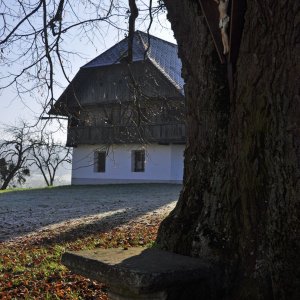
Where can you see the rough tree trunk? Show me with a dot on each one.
(240, 202)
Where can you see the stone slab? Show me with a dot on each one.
(137, 270)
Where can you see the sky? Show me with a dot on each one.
(29, 108)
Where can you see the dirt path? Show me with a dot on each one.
(65, 212)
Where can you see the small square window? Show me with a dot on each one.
(99, 162)
(138, 161)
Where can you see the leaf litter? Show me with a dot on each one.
(30, 266)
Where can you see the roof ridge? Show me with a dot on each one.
(162, 70)
(106, 51)
(162, 54)
(154, 61)
(138, 32)
(156, 37)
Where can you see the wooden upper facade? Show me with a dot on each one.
(111, 101)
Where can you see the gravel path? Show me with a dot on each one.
(63, 210)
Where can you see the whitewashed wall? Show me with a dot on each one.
(164, 163)
(177, 162)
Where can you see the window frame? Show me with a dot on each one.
(138, 156)
(99, 161)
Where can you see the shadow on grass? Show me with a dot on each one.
(80, 231)
(78, 211)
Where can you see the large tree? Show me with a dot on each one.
(239, 206)
(240, 202)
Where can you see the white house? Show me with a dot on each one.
(125, 120)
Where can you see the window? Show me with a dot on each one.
(138, 161)
(100, 158)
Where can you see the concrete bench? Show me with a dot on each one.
(148, 274)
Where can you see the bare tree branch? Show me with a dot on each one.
(48, 156)
(20, 23)
(133, 15)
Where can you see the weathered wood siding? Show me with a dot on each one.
(124, 103)
(160, 121)
(147, 112)
(158, 133)
(119, 83)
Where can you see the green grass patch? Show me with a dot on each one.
(19, 189)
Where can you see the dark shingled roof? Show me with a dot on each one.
(161, 53)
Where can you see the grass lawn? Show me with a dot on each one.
(32, 270)
(30, 255)
(26, 211)
(8, 190)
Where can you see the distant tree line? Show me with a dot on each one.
(23, 148)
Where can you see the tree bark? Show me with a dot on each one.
(239, 206)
